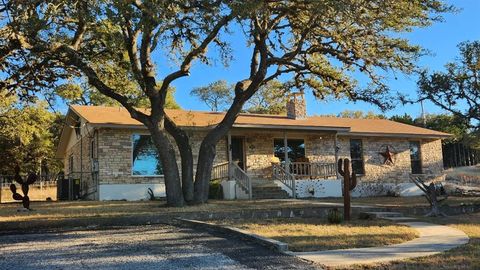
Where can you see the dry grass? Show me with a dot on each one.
(311, 234)
(91, 209)
(465, 257)
(405, 201)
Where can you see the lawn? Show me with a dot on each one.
(84, 213)
(313, 234)
(405, 201)
(465, 257)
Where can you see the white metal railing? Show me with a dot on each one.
(241, 178)
(280, 174)
(220, 171)
(314, 170)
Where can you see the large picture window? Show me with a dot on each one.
(356, 154)
(145, 160)
(295, 149)
(415, 158)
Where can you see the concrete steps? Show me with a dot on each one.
(267, 189)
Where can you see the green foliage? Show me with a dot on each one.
(334, 216)
(215, 190)
(405, 119)
(270, 98)
(360, 115)
(26, 135)
(453, 124)
(217, 95)
(457, 90)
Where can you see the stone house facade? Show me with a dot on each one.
(109, 153)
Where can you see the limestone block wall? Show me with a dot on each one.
(259, 153)
(320, 148)
(400, 171)
(115, 155)
(80, 151)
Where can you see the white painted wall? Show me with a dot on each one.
(318, 188)
(130, 192)
(333, 188)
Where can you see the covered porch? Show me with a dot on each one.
(281, 159)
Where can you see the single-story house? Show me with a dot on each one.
(111, 156)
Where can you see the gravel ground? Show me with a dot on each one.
(142, 247)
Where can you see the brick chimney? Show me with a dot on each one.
(296, 106)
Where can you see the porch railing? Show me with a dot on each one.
(242, 179)
(313, 170)
(220, 171)
(280, 174)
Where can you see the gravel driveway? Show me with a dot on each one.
(142, 247)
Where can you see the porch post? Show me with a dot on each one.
(336, 154)
(285, 152)
(229, 145)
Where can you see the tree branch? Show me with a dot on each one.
(194, 53)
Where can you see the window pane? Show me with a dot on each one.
(414, 151)
(357, 166)
(356, 154)
(295, 149)
(145, 160)
(415, 158)
(356, 149)
(416, 167)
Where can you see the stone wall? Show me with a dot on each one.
(399, 172)
(81, 152)
(321, 148)
(115, 156)
(296, 106)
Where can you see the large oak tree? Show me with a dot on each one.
(318, 45)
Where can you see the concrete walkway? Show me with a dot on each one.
(433, 239)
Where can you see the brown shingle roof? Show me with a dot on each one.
(118, 116)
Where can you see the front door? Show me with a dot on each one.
(238, 151)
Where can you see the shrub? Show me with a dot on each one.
(334, 216)
(216, 190)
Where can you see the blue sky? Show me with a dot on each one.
(440, 39)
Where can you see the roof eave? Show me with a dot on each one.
(397, 135)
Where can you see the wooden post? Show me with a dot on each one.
(336, 155)
(229, 146)
(285, 150)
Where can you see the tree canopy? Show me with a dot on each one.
(217, 95)
(457, 87)
(26, 135)
(317, 45)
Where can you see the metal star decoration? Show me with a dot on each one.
(388, 156)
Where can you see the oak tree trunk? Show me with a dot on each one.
(170, 167)
(207, 152)
(183, 143)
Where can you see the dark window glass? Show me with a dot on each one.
(356, 154)
(415, 158)
(145, 160)
(92, 149)
(70, 164)
(295, 149)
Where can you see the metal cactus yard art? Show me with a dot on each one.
(32, 178)
(349, 183)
